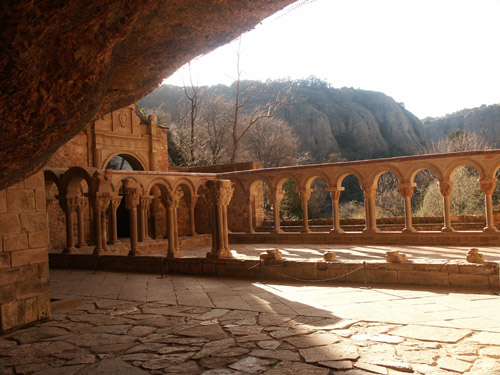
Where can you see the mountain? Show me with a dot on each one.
(358, 124)
(484, 120)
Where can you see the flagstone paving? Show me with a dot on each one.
(134, 324)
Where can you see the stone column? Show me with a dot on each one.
(68, 205)
(81, 205)
(99, 204)
(192, 204)
(370, 213)
(250, 204)
(48, 203)
(446, 186)
(406, 190)
(171, 201)
(115, 203)
(104, 228)
(145, 205)
(219, 194)
(335, 195)
(488, 187)
(131, 203)
(275, 197)
(305, 195)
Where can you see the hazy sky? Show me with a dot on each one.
(436, 56)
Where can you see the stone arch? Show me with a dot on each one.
(281, 178)
(452, 167)
(51, 178)
(309, 178)
(375, 175)
(320, 202)
(412, 172)
(70, 181)
(339, 179)
(135, 160)
(158, 182)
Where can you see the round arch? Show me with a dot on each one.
(125, 161)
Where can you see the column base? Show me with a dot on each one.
(97, 251)
(305, 230)
(276, 231)
(490, 230)
(133, 253)
(80, 245)
(337, 231)
(69, 250)
(250, 232)
(114, 242)
(376, 230)
(409, 230)
(447, 230)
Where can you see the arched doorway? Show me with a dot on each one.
(124, 162)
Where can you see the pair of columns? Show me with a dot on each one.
(70, 205)
(138, 207)
(218, 195)
(171, 201)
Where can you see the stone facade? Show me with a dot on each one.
(24, 269)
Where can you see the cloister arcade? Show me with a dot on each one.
(101, 206)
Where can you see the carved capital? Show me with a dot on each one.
(219, 193)
(146, 202)
(101, 202)
(445, 187)
(68, 204)
(305, 194)
(488, 185)
(115, 202)
(81, 204)
(172, 199)
(275, 196)
(131, 200)
(406, 189)
(370, 191)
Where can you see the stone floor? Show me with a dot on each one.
(131, 324)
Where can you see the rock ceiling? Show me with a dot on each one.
(65, 63)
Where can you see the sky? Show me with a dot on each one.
(435, 56)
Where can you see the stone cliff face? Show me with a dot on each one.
(64, 63)
(484, 120)
(359, 124)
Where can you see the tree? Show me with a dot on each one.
(459, 140)
(243, 119)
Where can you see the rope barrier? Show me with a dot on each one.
(322, 280)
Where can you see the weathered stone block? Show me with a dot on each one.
(43, 303)
(37, 239)
(32, 288)
(18, 313)
(494, 281)
(40, 200)
(31, 256)
(7, 293)
(34, 181)
(469, 280)
(383, 276)
(14, 242)
(423, 278)
(13, 275)
(33, 221)
(4, 261)
(43, 270)
(22, 200)
(9, 223)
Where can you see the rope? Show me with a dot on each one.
(316, 281)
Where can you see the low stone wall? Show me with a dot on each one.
(446, 274)
(468, 238)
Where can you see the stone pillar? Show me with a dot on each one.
(145, 204)
(115, 203)
(446, 186)
(305, 195)
(192, 204)
(275, 197)
(335, 195)
(250, 204)
(370, 213)
(68, 205)
(219, 194)
(81, 205)
(406, 190)
(171, 201)
(104, 228)
(99, 204)
(488, 187)
(131, 203)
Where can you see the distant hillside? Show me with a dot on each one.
(358, 124)
(484, 120)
